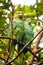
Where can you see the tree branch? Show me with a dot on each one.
(36, 49)
(2, 59)
(11, 29)
(24, 48)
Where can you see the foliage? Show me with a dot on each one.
(25, 25)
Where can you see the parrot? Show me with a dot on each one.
(21, 31)
(18, 29)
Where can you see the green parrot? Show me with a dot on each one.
(21, 31)
(18, 29)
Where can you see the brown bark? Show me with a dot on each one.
(24, 48)
(36, 48)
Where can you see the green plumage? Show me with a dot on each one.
(21, 31)
(28, 33)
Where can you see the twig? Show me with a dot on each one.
(2, 59)
(11, 29)
(24, 48)
(36, 49)
(19, 42)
